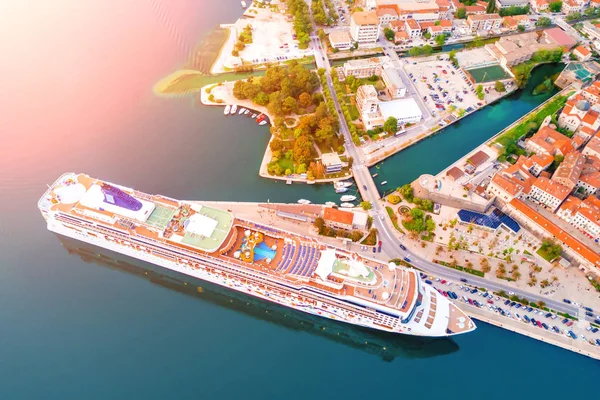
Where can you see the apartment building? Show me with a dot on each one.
(364, 27)
(365, 67)
(550, 142)
(583, 215)
(548, 193)
(569, 171)
(484, 22)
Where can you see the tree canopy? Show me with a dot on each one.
(499, 86)
(555, 6)
(391, 125)
(543, 21)
(281, 90)
(389, 34)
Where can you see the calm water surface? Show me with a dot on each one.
(77, 80)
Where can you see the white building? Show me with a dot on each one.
(393, 83)
(340, 40)
(511, 3)
(404, 110)
(365, 67)
(331, 162)
(548, 193)
(364, 27)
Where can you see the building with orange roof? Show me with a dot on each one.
(591, 30)
(484, 22)
(548, 193)
(592, 164)
(535, 164)
(569, 171)
(592, 93)
(524, 20)
(593, 147)
(401, 37)
(578, 113)
(435, 30)
(510, 23)
(582, 53)
(571, 6)
(386, 15)
(589, 183)
(420, 10)
(413, 28)
(511, 182)
(583, 215)
(475, 10)
(343, 219)
(540, 6)
(588, 257)
(364, 27)
(549, 141)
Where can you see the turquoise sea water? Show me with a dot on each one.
(77, 79)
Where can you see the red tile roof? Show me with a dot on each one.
(337, 215)
(574, 244)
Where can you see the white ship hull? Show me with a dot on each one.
(217, 279)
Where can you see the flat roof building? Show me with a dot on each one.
(364, 27)
(340, 40)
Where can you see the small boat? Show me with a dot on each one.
(261, 117)
(262, 123)
(244, 5)
(303, 201)
(374, 175)
(227, 108)
(342, 184)
(241, 111)
(253, 116)
(341, 190)
(246, 112)
(288, 182)
(347, 205)
(384, 182)
(348, 197)
(330, 204)
(233, 109)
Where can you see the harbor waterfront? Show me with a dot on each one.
(73, 329)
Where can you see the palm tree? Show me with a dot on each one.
(545, 283)
(439, 249)
(469, 265)
(516, 275)
(554, 278)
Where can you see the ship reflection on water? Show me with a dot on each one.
(386, 345)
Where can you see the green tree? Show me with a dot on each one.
(321, 33)
(521, 28)
(389, 34)
(407, 192)
(491, 7)
(437, 23)
(391, 125)
(301, 168)
(555, 6)
(393, 199)
(543, 21)
(479, 91)
(461, 13)
(366, 205)
(262, 99)
(440, 40)
(574, 16)
(590, 11)
(304, 100)
(551, 248)
(499, 86)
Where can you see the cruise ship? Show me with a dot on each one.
(273, 265)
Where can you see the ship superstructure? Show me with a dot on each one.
(271, 264)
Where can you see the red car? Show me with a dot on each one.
(490, 302)
(443, 281)
(539, 323)
(445, 294)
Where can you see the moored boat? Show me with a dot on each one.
(227, 108)
(233, 109)
(262, 123)
(261, 118)
(246, 112)
(347, 197)
(383, 183)
(330, 204)
(341, 190)
(375, 175)
(347, 205)
(342, 184)
(243, 3)
(303, 201)
(253, 116)
(242, 110)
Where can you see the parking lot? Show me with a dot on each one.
(548, 321)
(441, 85)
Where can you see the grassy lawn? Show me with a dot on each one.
(394, 218)
(545, 255)
(371, 239)
(481, 43)
(285, 163)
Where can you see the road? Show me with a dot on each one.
(387, 234)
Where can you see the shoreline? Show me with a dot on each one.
(263, 173)
(403, 146)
